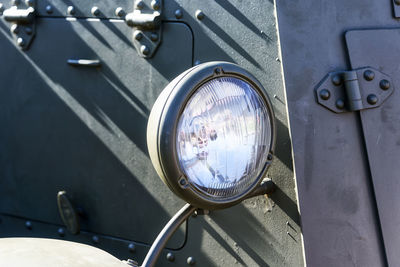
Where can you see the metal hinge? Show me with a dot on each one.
(22, 18)
(345, 91)
(146, 20)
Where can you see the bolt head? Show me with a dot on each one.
(138, 35)
(324, 94)
(369, 75)
(384, 84)
(190, 261)
(155, 4)
(145, 50)
(95, 11)
(170, 256)
(15, 28)
(61, 232)
(71, 10)
(199, 14)
(154, 37)
(337, 80)
(372, 99)
(120, 12)
(21, 42)
(49, 9)
(28, 225)
(340, 104)
(139, 4)
(95, 239)
(178, 14)
(131, 248)
(30, 2)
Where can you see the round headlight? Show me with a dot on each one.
(211, 134)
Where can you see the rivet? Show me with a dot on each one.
(71, 10)
(372, 99)
(95, 239)
(120, 12)
(28, 30)
(190, 261)
(15, 2)
(155, 4)
(29, 2)
(199, 14)
(95, 11)
(28, 225)
(139, 4)
(269, 157)
(384, 84)
(197, 62)
(154, 37)
(61, 232)
(49, 9)
(138, 35)
(131, 248)
(15, 28)
(170, 256)
(369, 75)
(145, 50)
(324, 94)
(397, 2)
(20, 41)
(178, 14)
(336, 80)
(340, 104)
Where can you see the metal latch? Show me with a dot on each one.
(146, 20)
(21, 15)
(345, 91)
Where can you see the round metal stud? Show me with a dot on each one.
(324, 94)
(30, 2)
(131, 248)
(95, 11)
(138, 35)
(155, 4)
(336, 80)
(49, 9)
(372, 99)
(369, 75)
(154, 37)
(199, 14)
(178, 14)
(95, 239)
(145, 50)
(139, 4)
(28, 30)
(339, 104)
(21, 42)
(28, 225)
(15, 28)
(71, 10)
(120, 12)
(61, 232)
(397, 2)
(170, 256)
(190, 261)
(384, 84)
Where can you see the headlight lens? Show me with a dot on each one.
(223, 137)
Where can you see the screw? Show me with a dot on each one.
(199, 14)
(190, 261)
(139, 4)
(340, 104)
(145, 50)
(155, 4)
(154, 37)
(397, 2)
(120, 12)
(95, 239)
(337, 80)
(29, 2)
(28, 30)
(15, 28)
(20, 42)
(71, 10)
(28, 225)
(131, 248)
(138, 35)
(49, 9)
(170, 256)
(324, 94)
(95, 11)
(384, 84)
(61, 232)
(178, 14)
(372, 99)
(369, 75)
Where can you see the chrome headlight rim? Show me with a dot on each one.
(163, 123)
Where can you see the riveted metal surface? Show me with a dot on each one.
(339, 219)
(381, 130)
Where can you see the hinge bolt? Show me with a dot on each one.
(369, 75)
(199, 14)
(324, 94)
(131, 248)
(15, 28)
(20, 41)
(372, 99)
(139, 4)
(170, 256)
(154, 37)
(397, 2)
(119, 12)
(145, 50)
(337, 80)
(339, 104)
(138, 35)
(95, 11)
(384, 84)
(71, 10)
(155, 4)
(49, 9)
(178, 14)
